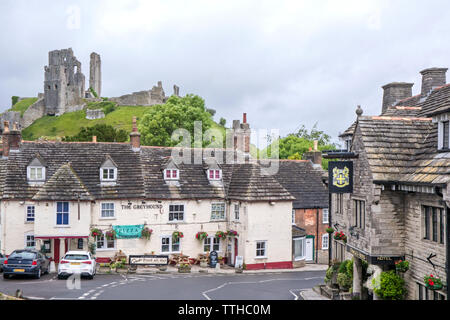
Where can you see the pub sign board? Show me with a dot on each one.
(340, 176)
(148, 260)
(376, 260)
(213, 259)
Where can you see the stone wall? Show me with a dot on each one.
(418, 249)
(34, 112)
(95, 114)
(145, 98)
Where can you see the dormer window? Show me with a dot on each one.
(109, 174)
(36, 173)
(108, 171)
(36, 169)
(171, 174)
(214, 174)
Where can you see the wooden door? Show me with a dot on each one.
(56, 250)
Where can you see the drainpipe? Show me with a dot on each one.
(329, 226)
(317, 233)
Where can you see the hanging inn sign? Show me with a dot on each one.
(340, 175)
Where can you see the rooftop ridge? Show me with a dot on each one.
(400, 107)
(398, 118)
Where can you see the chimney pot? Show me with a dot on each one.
(6, 126)
(315, 145)
(135, 137)
(244, 120)
(94, 139)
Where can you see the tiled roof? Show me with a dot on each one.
(403, 149)
(298, 232)
(402, 111)
(438, 98)
(349, 131)
(304, 182)
(139, 175)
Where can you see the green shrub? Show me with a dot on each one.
(344, 281)
(14, 100)
(93, 92)
(343, 268)
(392, 286)
(350, 268)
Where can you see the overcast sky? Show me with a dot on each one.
(285, 63)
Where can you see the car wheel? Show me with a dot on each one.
(38, 275)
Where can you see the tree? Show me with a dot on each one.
(222, 122)
(294, 145)
(158, 124)
(103, 132)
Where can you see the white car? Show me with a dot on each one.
(77, 262)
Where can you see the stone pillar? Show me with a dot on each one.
(357, 277)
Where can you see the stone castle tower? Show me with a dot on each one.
(64, 82)
(95, 73)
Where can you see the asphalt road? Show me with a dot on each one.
(264, 286)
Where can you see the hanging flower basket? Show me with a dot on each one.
(221, 234)
(96, 232)
(340, 236)
(146, 233)
(232, 233)
(177, 235)
(432, 282)
(329, 230)
(201, 235)
(110, 235)
(401, 266)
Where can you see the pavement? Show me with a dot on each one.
(310, 294)
(228, 270)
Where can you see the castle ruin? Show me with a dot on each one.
(95, 74)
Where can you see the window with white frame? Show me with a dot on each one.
(171, 174)
(443, 135)
(108, 174)
(214, 174)
(325, 216)
(105, 244)
(62, 213)
(107, 210)
(168, 245)
(218, 211)
(36, 173)
(325, 239)
(29, 241)
(30, 214)
(211, 244)
(261, 249)
(236, 212)
(299, 248)
(176, 212)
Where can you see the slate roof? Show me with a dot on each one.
(304, 182)
(139, 175)
(298, 232)
(403, 150)
(403, 111)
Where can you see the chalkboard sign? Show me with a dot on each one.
(213, 259)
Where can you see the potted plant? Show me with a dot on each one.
(184, 268)
(401, 266)
(96, 232)
(110, 234)
(146, 233)
(177, 235)
(340, 236)
(389, 286)
(221, 234)
(201, 235)
(433, 282)
(221, 260)
(232, 233)
(113, 266)
(344, 281)
(329, 230)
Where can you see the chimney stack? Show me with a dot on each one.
(394, 92)
(94, 139)
(11, 139)
(135, 137)
(315, 156)
(432, 78)
(241, 134)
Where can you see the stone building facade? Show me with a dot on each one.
(399, 206)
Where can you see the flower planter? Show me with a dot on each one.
(184, 270)
(162, 268)
(434, 287)
(433, 282)
(203, 264)
(239, 270)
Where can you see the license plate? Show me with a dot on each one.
(75, 263)
(19, 270)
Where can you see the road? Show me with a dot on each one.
(194, 286)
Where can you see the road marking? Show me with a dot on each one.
(296, 296)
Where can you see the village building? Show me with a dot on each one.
(399, 206)
(54, 194)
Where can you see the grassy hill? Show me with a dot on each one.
(23, 105)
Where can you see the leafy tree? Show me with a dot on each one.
(222, 122)
(294, 145)
(211, 111)
(158, 124)
(14, 100)
(103, 132)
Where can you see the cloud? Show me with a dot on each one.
(285, 63)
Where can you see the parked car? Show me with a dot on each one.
(77, 262)
(2, 259)
(27, 262)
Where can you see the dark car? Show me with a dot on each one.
(27, 262)
(2, 258)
